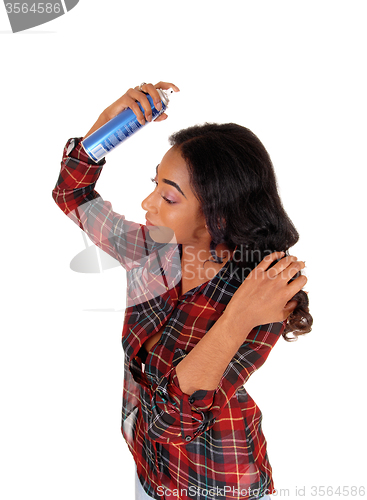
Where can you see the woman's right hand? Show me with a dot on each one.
(265, 295)
(130, 100)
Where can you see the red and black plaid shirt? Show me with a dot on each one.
(208, 444)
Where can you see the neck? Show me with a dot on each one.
(199, 257)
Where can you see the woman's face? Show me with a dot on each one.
(172, 206)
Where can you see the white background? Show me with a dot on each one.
(291, 71)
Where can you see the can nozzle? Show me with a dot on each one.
(164, 97)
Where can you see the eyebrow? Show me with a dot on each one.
(171, 183)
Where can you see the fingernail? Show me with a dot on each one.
(158, 105)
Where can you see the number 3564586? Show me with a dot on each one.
(35, 8)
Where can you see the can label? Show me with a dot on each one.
(114, 132)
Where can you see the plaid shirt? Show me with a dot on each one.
(208, 444)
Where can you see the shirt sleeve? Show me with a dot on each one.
(180, 418)
(75, 194)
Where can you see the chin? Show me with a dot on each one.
(162, 234)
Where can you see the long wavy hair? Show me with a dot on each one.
(233, 178)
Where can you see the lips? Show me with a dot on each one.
(148, 223)
(160, 234)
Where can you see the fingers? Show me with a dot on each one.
(161, 117)
(134, 96)
(283, 275)
(286, 280)
(295, 286)
(292, 289)
(289, 308)
(138, 95)
(268, 292)
(285, 268)
(282, 264)
(268, 260)
(166, 86)
(152, 91)
(293, 267)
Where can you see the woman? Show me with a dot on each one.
(210, 290)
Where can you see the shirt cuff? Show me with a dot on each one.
(74, 149)
(194, 411)
(200, 400)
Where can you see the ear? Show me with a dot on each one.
(221, 223)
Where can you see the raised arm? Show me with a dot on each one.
(75, 193)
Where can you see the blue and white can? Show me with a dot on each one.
(122, 126)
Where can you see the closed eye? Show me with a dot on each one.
(165, 199)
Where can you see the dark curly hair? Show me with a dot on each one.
(233, 178)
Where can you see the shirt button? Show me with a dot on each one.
(187, 438)
(191, 400)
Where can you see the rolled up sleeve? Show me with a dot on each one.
(176, 416)
(179, 418)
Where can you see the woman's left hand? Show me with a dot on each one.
(265, 295)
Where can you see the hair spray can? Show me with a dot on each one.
(122, 126)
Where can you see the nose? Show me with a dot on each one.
(148, 204)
